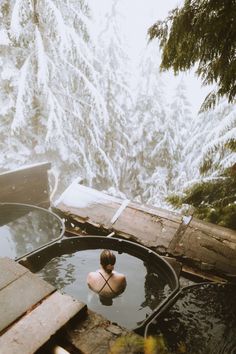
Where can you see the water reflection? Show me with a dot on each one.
(25, 228)
(202, 321)
(156, 287)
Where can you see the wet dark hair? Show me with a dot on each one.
(106, 301)
(107, 257)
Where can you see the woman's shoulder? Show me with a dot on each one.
(93, 274)
(119, 275)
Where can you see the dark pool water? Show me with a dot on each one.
(202, 321)
(145, 287)
(25, 228)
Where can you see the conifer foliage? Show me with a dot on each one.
(209, 162)
(213, 200)
(161, 131)
(113, 64)
(201, 32)
(57, 109)
(148, 164)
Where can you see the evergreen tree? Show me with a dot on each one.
(213, 200)
(181, 124)
(150, 155)
(219, 151)
(210, 162)
(9, 144)
(113, 66)
(58, 110)
(201, 32)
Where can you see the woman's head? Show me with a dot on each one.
(107, 260)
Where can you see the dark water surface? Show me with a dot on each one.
(145, 287)
(202, 321)
(25, 228)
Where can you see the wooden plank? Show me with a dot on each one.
(88, 205)
(21, 295)
(35, 328)
(10, 271)
(40, 165)
(164, 214)
(209, 247)
(195, 273)
(98, 215)
(144, 225)
(150, 230)
(26, 185)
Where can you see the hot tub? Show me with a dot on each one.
(151, 281)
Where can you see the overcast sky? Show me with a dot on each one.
(137, 17)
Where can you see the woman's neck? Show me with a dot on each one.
(106, 271)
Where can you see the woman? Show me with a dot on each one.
(106, 282)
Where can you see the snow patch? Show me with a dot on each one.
(7, 72)
(4, 40)
(79, 196)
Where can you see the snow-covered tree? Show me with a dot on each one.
(58, 110)
(181, 123)
(210, 160)
(149, 165)
(219, 150)
(211, 144)
(113, 64)
(9, 144)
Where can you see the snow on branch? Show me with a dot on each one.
(17, 18)
(229, 160)
(95, 95)
(84, 19)
(4, 40)
(56, 114)
(59, 23)
(110, 167)
(42, 74)
(79, 45)
(19, 117)
(16, 26)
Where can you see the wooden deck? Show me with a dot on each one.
(31, 311)
(27, 185)
(204, 249)
(36, 318)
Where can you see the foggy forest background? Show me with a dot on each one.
(67, 96)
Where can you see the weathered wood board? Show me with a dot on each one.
(211, 247)
(208, 247)
(150, 226)
(35, 328)
(27, 185)
(9, 271)
(21, 294)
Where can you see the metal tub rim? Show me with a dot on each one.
(36, 207)
(72, 244)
